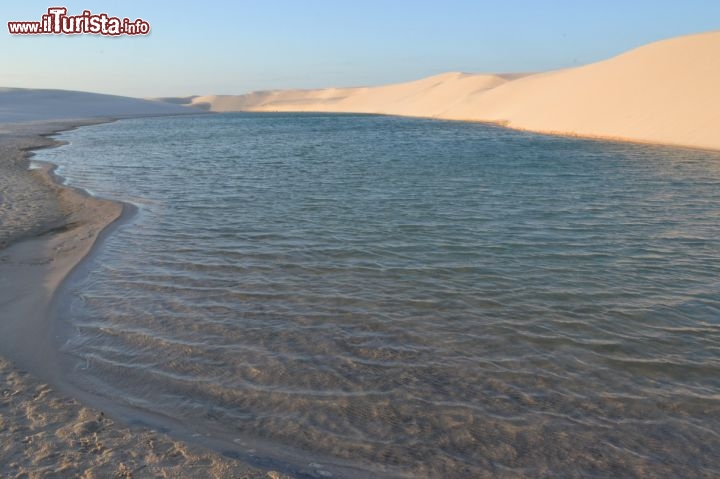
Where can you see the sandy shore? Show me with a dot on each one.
(45, 231)
(43, 434)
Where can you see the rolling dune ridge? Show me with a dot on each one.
(664, 92)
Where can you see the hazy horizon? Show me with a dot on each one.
(218, 48)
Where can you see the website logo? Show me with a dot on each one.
(57, 22)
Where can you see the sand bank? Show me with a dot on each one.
(664, 92)
(45, 230)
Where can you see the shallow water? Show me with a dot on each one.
(410, 297)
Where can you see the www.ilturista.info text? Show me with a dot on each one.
(57, 22)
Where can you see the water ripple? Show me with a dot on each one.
(420, 298)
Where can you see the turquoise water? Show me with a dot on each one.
(405, 297)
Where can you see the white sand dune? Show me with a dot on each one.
(666, 92)
(418, 98)
(21, 104)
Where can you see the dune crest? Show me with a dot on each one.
(665, 92)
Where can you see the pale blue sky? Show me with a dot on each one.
(233, 47)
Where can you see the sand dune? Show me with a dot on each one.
(424, 97)
(665, 92)
(20, 104)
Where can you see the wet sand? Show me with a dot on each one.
(44, 434)
(45, 230)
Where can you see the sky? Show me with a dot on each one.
(233, 47)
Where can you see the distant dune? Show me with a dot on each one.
(21, 104)
(424, 97)
(666, 92)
